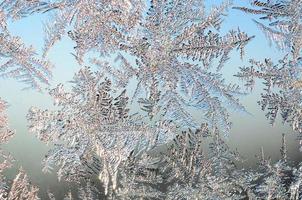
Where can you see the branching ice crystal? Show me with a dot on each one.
(179, 52)
(180, 170)
(92, 130)
(88, 192)
(196, 172)
(282, 80)
(175, 47)
(285, 25)
(95, 136)
(5, 135)
(94, 24)
(282, 88)
(21, 64)
(19, 61)
(275, 181)
(20, 188)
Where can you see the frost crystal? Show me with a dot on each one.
(175, 47)
(92, 130)
(94, 24)
(285, 27)
(282, 81)
(5, 135)
(20, 187)
(274, 181)
(282, 88)
(19, 61)
(174, 52)
(21, 64)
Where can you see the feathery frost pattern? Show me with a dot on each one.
(282, 92)
(282, 80)
(174, 52)
(20, 188)
(175, 47)
(92, 129)
(93, 24)
(285, 25)
(17, 60)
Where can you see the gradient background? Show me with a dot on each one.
(248, 134)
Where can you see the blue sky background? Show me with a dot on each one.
(249, 132)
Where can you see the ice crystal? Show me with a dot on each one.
(5, 135)
(277, 180)
(187, 171)
(20, 188)
(201, 173)
(180, 170)
(21, 63)
(87, 192)
(94, 24)
(95, 136)
(282, 93)
(18, 61)
(92, 130)
(178, 52)
(175, 47)
(285, 25)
